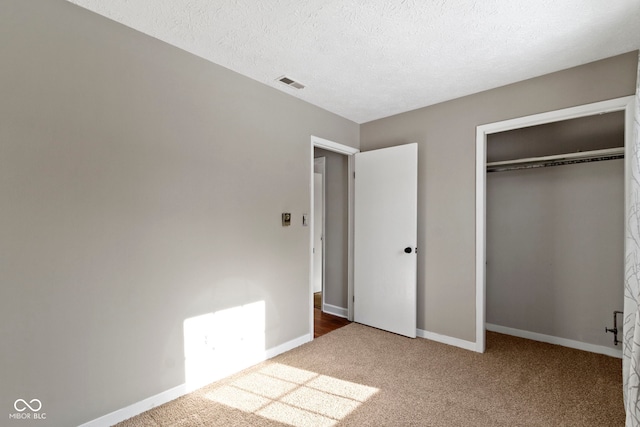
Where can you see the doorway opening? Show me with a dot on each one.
(621, 104)
(319, 262)
(317, 270)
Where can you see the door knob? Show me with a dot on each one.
(407, 250)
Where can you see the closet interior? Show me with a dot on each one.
(555, 228)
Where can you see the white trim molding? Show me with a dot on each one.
(444, 339)
(335, 310)
(138, 407)
(176, 392)
(333, 146)
(289, 345)
(482, 131)
(550, 339)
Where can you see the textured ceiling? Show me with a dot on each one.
(368, 59)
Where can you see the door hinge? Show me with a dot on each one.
(354, 175)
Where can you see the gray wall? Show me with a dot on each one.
(140, 186)
(336, 223)
(555, 258)
(446, 176)
(567, 136)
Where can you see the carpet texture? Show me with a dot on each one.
(361, 376)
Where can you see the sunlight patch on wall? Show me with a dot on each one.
(293, 396)
(219, 344)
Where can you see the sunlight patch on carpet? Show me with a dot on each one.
(320, 402)
(295, 417)
(293, 396)
(264, 385)
(238, 399)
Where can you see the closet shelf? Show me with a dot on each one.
(557, 160)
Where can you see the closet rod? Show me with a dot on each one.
(557, 160)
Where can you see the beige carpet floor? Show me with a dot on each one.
(360, 376)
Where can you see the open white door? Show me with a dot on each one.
(385, 237)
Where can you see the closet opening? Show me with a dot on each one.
(555, 231)
(554, 158)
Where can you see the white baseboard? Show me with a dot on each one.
(289, 345)
(138, 407)
(175, 392)
(593, 348)
(335, 310)
(444, 339)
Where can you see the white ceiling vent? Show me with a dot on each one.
(290, 82)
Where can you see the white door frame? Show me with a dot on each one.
(625, 104)
(325, 144)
